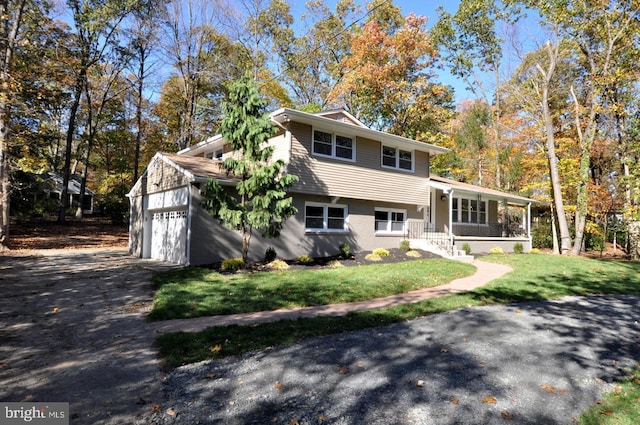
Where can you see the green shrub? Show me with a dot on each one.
(345, 250)
(373, 257)
(496, 250)
(304, 259)
(278, 265)
(594, 242)
(518, 248)
(382, 252)
(541, 237)
(405, 245)
(232, 264)
(466, 248)
(270, 254)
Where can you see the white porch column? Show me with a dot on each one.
(529, 221)
(451, 217)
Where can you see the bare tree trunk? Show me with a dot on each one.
(565, 236)
(496, 132)
(70, 130)
(136, 160)
(11, 16)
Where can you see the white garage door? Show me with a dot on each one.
(169, 236)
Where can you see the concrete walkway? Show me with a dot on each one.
(485, 273)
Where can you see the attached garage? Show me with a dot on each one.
(162, 206)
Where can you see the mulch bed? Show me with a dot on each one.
(396, 255)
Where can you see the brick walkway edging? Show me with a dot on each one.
(485, 273)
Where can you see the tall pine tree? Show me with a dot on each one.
(260, 200)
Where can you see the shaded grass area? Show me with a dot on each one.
(194, 292)
(535, 277)
(619, 407)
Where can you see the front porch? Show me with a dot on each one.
(462, 214)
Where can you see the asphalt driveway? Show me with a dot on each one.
(534, 363)
(73, 329)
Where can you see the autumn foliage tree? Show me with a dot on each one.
(386, 80)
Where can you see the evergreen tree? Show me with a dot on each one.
(260, 200)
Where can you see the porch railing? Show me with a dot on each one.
(418, 230)
(490, 230)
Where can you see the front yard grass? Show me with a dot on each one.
(194, 292)
(619, 407)
(535, 277)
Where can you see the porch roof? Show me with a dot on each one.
(447, 185)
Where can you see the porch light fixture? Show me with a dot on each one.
(443, 197)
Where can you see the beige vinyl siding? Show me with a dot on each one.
(280, 145)
(363, 179)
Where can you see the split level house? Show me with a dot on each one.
(359, 186)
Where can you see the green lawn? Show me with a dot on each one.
(193, 292)
(535, 277)
(620, 407)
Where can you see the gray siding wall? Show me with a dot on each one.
(211, 242)
(136, 220)
(363, 179)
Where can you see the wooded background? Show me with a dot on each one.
(96, 87)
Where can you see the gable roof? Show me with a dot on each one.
(284, 115)
(448, 185)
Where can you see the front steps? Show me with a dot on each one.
(442, 249)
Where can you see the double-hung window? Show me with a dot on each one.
(390, 220)
(333, 145)
(397, 158)
(325, 217)
(465, 210)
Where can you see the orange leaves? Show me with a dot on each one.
(489, 400)
(506, 415)
(553, 390)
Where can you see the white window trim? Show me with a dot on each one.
(325, 218)
(391, 232)
(397, 157)
(333, 145)
(459, 211)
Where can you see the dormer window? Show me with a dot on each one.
(397, 158)
(333, 145)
